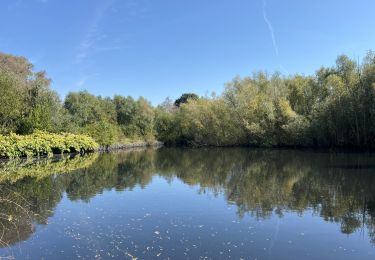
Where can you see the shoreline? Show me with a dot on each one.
(157, 144)
(101, 149)
(115, 147)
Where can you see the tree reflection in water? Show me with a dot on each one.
(337, 187)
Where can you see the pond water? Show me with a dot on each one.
(190, 204)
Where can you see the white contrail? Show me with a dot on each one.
(270, 28)
(274, 43)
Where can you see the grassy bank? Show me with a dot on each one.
(44, 144)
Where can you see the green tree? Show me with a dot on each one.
(185, 98)
(11, 104)
(35, 105)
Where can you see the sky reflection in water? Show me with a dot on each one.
(193, 203)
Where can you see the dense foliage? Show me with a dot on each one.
(333, 108)
(185, 98)
(28, 104)
(42, 143)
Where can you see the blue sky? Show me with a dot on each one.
(160, 48)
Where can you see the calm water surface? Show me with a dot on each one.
(190, 204)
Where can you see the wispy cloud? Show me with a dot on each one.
(81, 82)
(270, 28)
(92, 36)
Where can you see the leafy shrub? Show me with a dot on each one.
(43, 143)
(104, 133)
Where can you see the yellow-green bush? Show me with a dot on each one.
(43, 143)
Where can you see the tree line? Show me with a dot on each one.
(28, 104)
(333, 108)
